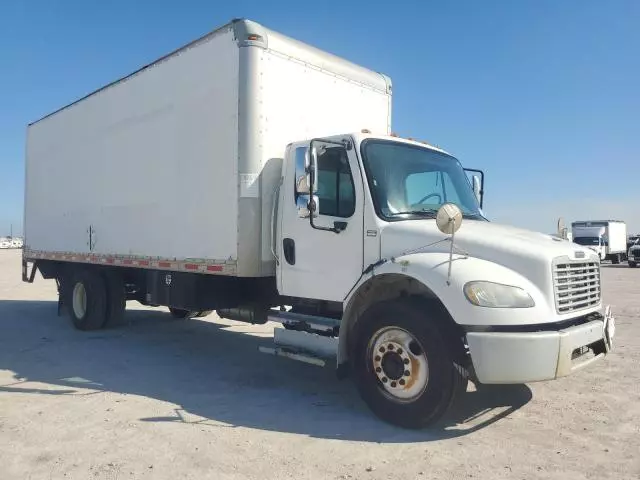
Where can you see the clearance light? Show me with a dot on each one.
(365, 130)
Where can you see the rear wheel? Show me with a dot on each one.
(86, 299)
(404, 364)
(615, 259)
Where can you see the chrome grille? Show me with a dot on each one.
(576, 285)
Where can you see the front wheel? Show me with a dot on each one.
(404, 363)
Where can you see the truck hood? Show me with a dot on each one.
(526, 252)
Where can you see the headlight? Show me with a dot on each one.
(496, 295)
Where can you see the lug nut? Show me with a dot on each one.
(378, 370)
(393, 384)
(399, 351)
(377, 358)
(406, 361)
(407, 373)
(401, 381)
(384, 379)
(381, 350)
(390, 346)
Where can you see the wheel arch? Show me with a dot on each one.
(386, 287)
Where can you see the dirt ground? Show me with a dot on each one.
(173, 399)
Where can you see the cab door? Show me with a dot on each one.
(322, 259)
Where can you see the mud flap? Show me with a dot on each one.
(25, 271)
(60, 297)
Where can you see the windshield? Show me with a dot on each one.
(587, 240)
(408, 181)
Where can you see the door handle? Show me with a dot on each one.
(289, 249)
(339, 226)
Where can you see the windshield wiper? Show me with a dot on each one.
(427, 212)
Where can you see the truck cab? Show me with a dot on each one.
(591, 237)
(633, 250)
(357, 231)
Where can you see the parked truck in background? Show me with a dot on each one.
(608, 238)
(633, 250)
(296, 204)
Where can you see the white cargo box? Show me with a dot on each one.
(174, 166)
(617, 237)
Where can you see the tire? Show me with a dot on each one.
(116, 298)
(86, 299)
(633, 264)
(615, 259)
(428, 344)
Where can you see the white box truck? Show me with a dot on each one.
(608, 238)
(257, 176)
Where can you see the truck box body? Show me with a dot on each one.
(616, 237)
(175, 165)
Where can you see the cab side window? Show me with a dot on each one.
(336, 191)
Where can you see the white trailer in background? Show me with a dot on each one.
(608, 238)
(255, 175)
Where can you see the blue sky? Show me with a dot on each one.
(543, 95)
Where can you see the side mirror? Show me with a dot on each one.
(311, 169)
(477, 183)
(306, 168)
(306, 208)
(477, 189)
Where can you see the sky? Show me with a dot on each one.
(544, 96)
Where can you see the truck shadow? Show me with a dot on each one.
(213, 374)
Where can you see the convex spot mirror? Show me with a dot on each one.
(449, 218)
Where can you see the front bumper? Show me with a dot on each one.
(533, 356)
